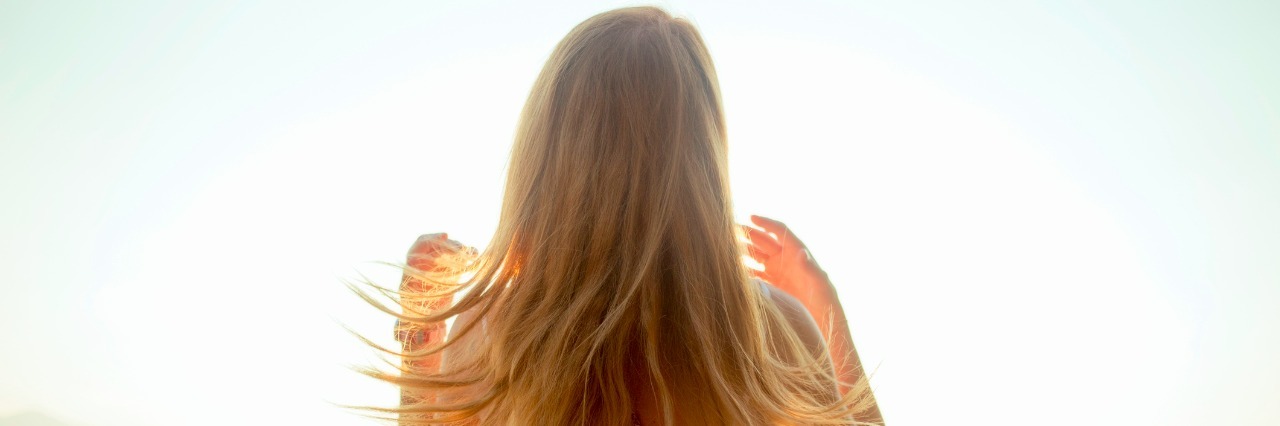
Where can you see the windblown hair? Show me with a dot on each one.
(616, 260)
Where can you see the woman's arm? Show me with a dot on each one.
(826, 304)
(413, 337)
(791, 268)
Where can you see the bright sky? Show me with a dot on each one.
(1037, 212)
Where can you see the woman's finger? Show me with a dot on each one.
(776, 227)
(763, 241)
(761, 275)
(785, 236)
(425, 243)
(430, 237)
(431, 245)
(435, 236)
(757, 255)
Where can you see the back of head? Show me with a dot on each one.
(616, 262)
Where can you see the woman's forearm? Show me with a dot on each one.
(826, 309)
(415, 337)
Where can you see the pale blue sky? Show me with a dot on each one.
(1037, 212)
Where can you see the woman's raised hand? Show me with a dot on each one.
(429, 247)
(788, 265)
(423, 256)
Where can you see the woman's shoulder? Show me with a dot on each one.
(797, 315)
(460, 322)
(786, 302)
(465, 344)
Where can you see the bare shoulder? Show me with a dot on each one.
(798, 317)
(464, 345)
(461, 321)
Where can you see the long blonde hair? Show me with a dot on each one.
(616, 258)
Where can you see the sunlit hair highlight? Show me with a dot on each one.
(615, 268)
